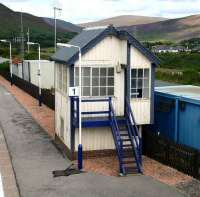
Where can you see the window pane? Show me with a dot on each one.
(134, 93)
(140, 73)
(102, 72)
(133, 73)
(139, 93)
(103, 81)
(110, 71)
(133, 83)
(86, 81)
(146, 83)
(110, 81)
(76, 81)
(86, 72)
(139, 83)
(95, 81)
(110, 91)
(86, 91)
(102, 91)
(95, 72)
(146, 73)
(76, 72)
(95, 91)
(146, 93)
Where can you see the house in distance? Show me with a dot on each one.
(117, 95)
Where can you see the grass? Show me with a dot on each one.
(183, 68)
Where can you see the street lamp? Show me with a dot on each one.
(80, 147)
(55, 9)
(11, 73)
(39, 72)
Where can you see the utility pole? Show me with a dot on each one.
(28, 36)
(55, 25)
(22, 38)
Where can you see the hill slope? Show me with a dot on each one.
(67, 26)
(40, 30)
(124, 20)
(173, 29)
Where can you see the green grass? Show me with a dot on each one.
(181, 68)
(180, 61)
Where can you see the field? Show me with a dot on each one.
(181, 68)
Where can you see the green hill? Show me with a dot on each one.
(40, 30)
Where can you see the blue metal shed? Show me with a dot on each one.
(177, 114)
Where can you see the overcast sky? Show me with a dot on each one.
(78, 11)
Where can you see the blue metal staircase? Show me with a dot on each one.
(126, 136)
(128, 143)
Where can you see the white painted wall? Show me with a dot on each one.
(109, 52)
(95, 139)
(141, 107)
(47, 73)
(62, 109)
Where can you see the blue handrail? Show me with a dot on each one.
(134, 131)
(116, 135)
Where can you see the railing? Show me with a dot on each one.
(75, 108)
(116, 135)
(134, 133)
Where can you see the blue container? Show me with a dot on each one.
(177, 114)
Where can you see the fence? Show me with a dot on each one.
(47, 97)
(181, 157)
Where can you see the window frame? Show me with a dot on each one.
(143, 78)
(61, 79)
(99, 86)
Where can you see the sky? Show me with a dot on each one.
(79, 11)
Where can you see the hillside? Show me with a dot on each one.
(61, 24)
(172, 30)
(39, 28)
(123, 20)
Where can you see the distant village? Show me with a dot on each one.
(173, 49)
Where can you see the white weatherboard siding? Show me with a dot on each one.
(62, 110)
(141, 107)
(110, 52)
(95, 139)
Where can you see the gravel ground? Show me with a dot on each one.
(190, 188)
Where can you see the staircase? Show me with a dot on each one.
(126, 136)
(127, 141)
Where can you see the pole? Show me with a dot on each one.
(39, 78)
(80, 148)
(11, 73)
(28, 34)
(55, 28)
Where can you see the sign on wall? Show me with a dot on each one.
(73, 91)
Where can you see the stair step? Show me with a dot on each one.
(130, 155)
(124, 134)
(130, 161)
(127, 146)
(126, 140)
(131, 170)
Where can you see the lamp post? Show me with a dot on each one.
(39, 72)
(11, 72)
(55, 24)
(80, 147)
